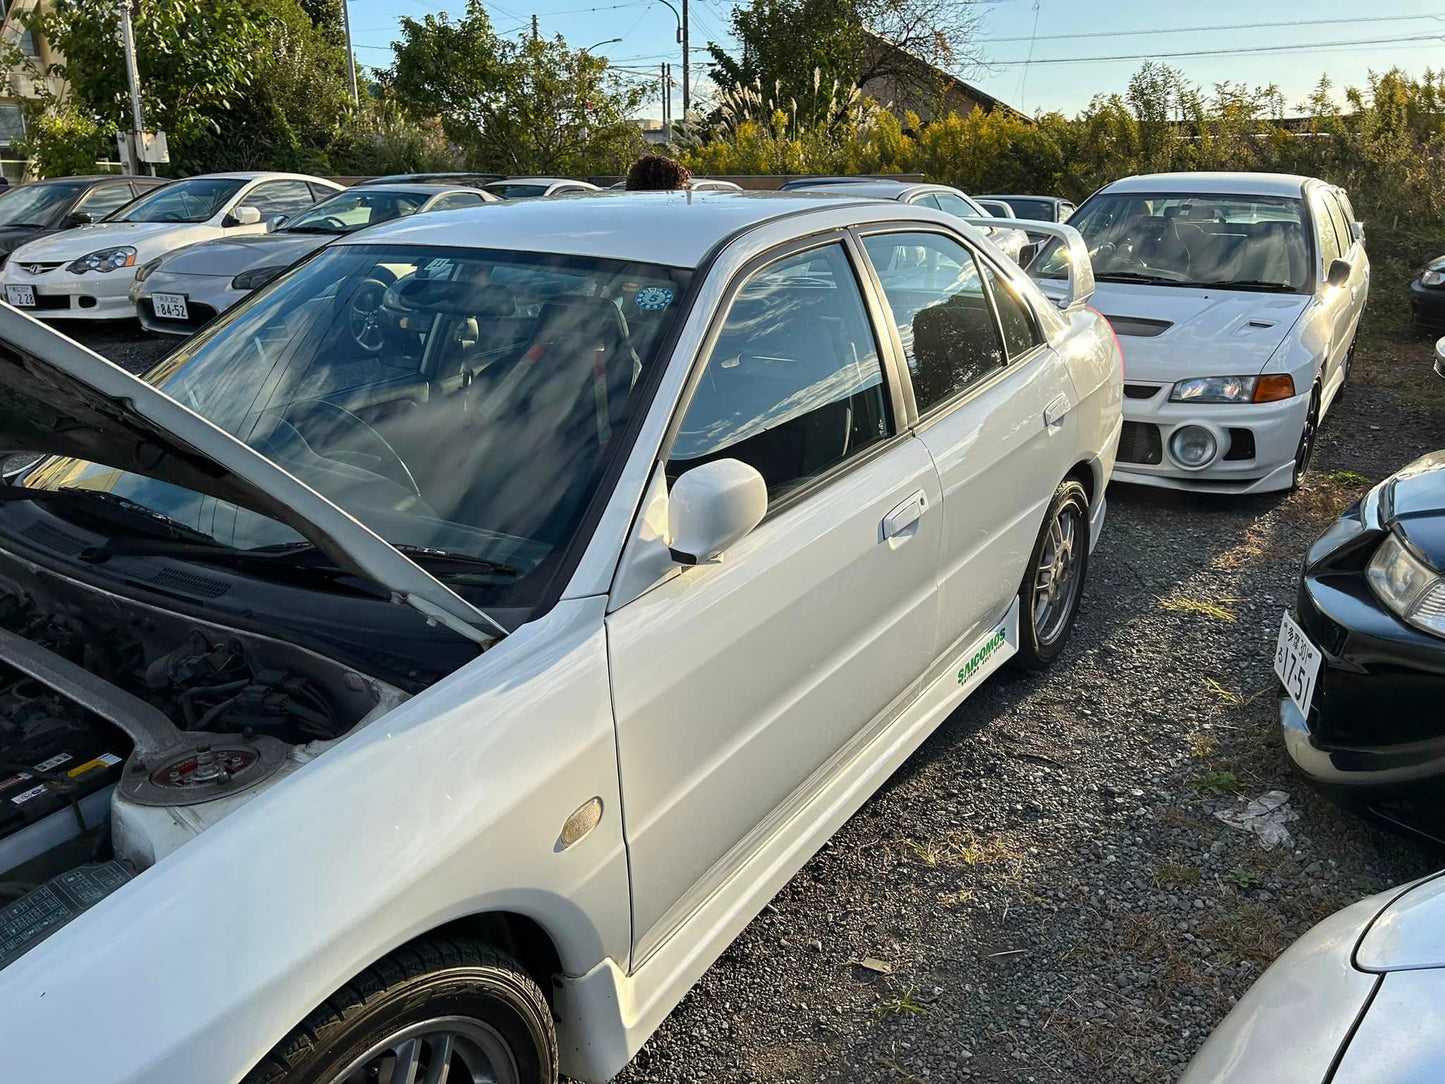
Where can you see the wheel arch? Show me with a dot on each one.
(1086, 472)
(520, 936)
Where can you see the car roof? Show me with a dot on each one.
(1025, 195)
(256, 175)
(1214, 183)
(673, 228)
(876, 189)
(537, 180)
(419, 188)
(429, 178)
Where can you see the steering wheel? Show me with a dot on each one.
(333, 221)
(363, 315)
(391, 465)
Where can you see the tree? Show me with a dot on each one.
(516, 106)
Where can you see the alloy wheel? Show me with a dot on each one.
(1306, 449)
(447, 1050)
(1056, 576)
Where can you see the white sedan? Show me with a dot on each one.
(86, 273)
(1359, 999)
(441, 711)
(1237, 297)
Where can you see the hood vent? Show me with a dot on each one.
(1138, 325)
(1261, 323)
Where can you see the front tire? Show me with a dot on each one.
(1308, 436)
(1054, 584)
(448, 1009)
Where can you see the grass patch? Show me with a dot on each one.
(1258, 546)
(1232, 698)
(1241, 878)
(926, 853)
(1348, 478)
(1174, 874)
(900, 1006)
(1213, 610)
(1202, 744)
(1256, 934)
(1218, 783)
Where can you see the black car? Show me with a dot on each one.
(1427, 297)
(1037, 208)
(28, 211)
(1364, 651)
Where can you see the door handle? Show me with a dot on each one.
(905, 515)
(1055, 411)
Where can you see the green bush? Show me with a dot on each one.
(63, 143)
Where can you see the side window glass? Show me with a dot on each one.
(947, 201)
(1325, 228)
(794, 385)
(1020, 334)
(1341, 221)
(936, 297)
(320, 192)
(456, 199)
(926, 200)
(103, 199)
(279, 198)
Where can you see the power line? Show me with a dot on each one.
(1218, 52)
(1221, 26)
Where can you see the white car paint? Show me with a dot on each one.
(1216, 331)
(1356, 1000)
(737, 711)
(96, 295)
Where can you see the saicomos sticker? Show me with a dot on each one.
(982, 655)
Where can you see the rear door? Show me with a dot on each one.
(1338, 302)
(994, 405)
(739, 684)
(1343, 218)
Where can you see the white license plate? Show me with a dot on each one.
(1297, 662)
(171, 306)
(21, 296)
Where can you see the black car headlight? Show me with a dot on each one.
(1411, 589)
(106, 259)
(1434, 273)
(255, 278)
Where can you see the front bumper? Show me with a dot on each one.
(60, 294)
(206, 297)
(1374, 723)
(1427, 306)
(1256, 442)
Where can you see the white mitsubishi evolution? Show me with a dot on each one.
(429, 668)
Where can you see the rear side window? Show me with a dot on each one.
(793, 386)
(103, 199)
(1341, 221)
(936, 297)
(1330, 246)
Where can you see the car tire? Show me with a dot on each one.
(1345, 369)
(451, 995)
(1054, 583)
(1309, 437)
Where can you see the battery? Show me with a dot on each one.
(33, 786)
(44, 909)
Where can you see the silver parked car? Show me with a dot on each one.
(1359, 999)
(178, 292)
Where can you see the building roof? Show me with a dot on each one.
(947, 79)
(673, 228)
(1214, 184)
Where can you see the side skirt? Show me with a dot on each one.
(606, 1015)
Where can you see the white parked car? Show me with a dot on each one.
(419, 700)
(1359, 999)
(949, 200)
(537, 187)
(86, 273)
(1237, 297)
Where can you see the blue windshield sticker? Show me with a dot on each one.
(653, 298)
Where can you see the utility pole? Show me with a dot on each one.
(350, 53)
(534, 28)
(132, 75)
(686, 65)
(666, 77)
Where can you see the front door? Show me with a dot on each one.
(736, 683)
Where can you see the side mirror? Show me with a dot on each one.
(1357, 230)
(81, 218)
(1339, 272)
(243, 216)
(712, 507)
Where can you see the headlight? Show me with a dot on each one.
(107, 259)
(1433, 278)
(255, 278)
(1411, 589)
(146, 269)
(1233, 389)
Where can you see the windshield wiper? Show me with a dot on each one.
(1140, 276)
(311, 229)
(112, 508)
(1243, 284)
(445, 561)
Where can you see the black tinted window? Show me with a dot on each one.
(936, 297)
(1020, 334)
(793, 385)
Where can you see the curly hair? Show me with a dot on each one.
(657, 173)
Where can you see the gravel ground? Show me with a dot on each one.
(1042, 893)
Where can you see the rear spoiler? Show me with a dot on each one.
(1078, 286)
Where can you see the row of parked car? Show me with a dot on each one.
(353, 629)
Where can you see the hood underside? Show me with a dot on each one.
(60, 398)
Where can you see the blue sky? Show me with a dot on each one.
(1321, 35)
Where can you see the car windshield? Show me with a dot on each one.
(517, 191)
(458, 400)
(354, 210)
(193, 200)
(36, 204)
(1238, 242)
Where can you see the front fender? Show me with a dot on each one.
(449, 805)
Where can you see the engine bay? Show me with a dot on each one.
(126, 729)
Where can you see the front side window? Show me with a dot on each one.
(1331, 247)
(793, 386)
(279, 198)
(936, 297)
(461, 400)
(354, 210)
(1216, 241)
(1020, 333)
(957, 205)
(1341, 221)
(193, 200)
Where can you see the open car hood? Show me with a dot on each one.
(58, 397)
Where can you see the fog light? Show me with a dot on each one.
(1192, 446)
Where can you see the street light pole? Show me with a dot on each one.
(587, 106)
(686, 65)
(132, 76)
(350, 53)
